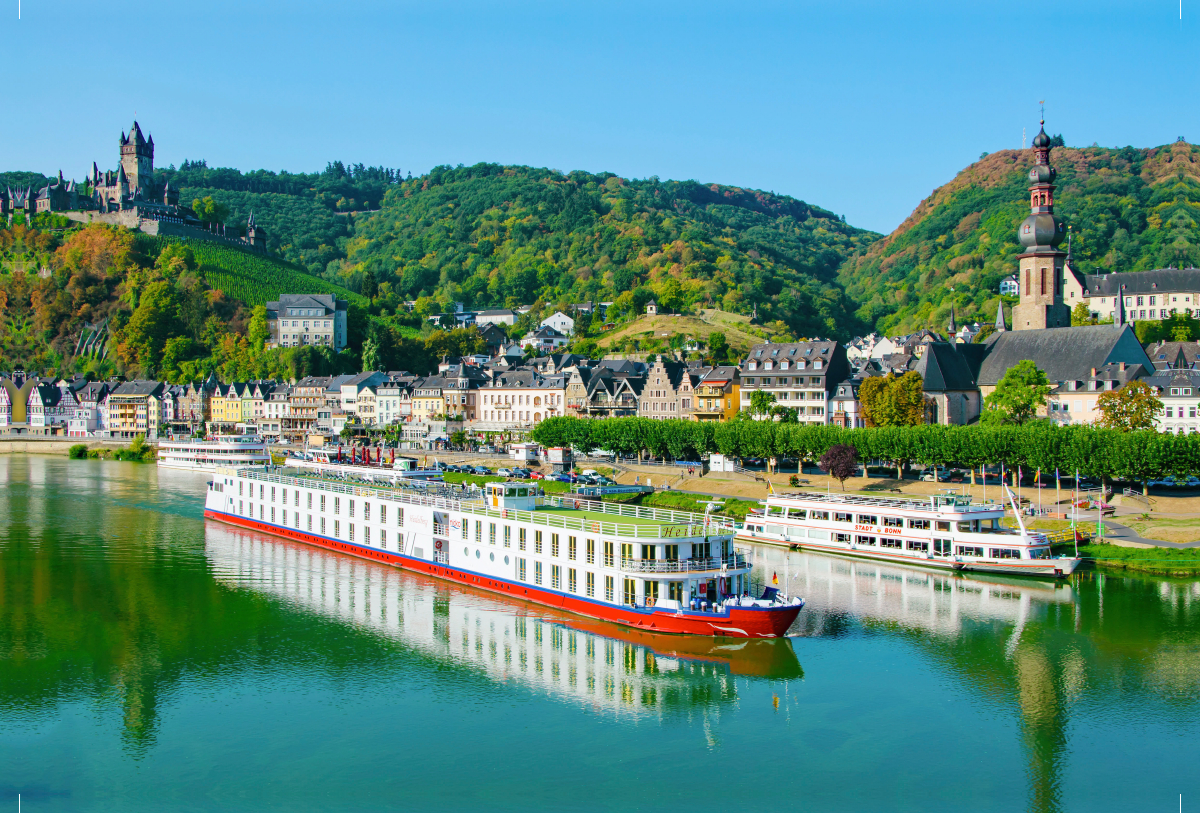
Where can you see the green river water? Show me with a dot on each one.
(153, 661)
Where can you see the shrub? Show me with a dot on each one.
(78, 452)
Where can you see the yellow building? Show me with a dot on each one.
(717, 395)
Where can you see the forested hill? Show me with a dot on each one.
(308, 216)
(491, 235)
(1128, 210)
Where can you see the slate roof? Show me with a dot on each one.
(944, 369)
(1159, 280)
(1062, 353)
(1178, 355)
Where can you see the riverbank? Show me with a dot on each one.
(55, 446)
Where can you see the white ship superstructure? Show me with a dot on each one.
(653, 569)
(209, 455)
(946, 531)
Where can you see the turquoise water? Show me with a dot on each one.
(152, 661)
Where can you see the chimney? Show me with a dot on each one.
(1093, 372)
(1122, 368)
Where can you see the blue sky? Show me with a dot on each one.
(860, 107)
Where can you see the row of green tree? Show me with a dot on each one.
(1104, 454)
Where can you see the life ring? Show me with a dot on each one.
(504, 513)
(596, 527)
(649, 601)
(577, 505)
(437, 543)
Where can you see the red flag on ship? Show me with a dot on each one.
(775, 579)
(339, 455)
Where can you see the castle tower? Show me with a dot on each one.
(137, 159)
(1041, 263)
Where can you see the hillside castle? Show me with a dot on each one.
(128, 197)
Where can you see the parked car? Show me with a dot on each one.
(504, 472)
(536, 475)
(522, 473)
(481, 471)
(562, 478)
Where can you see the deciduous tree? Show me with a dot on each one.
(1018, 395)
(840, 461)
(1132, 407)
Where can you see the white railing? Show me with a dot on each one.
(737, 561)
(668, 524)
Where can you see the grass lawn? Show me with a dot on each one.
(597, 516)
(1168, 530)
(1157, 561)
(678, 501)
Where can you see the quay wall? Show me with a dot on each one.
(20, 445)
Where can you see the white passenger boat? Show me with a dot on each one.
(207, 455)
(944, 531)
(647, 568)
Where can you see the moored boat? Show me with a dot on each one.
(650, 569)
(210, 454)
(946, 531)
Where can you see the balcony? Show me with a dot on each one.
(736, 561)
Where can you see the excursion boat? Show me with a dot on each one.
(649, 569)
(948, 531)
(209, 455)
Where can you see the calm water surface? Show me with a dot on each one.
(152, 661)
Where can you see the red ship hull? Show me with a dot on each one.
(740, 622)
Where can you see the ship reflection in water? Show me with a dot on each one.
(562, 655)
(932, 601)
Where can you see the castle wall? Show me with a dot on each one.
(129, 219)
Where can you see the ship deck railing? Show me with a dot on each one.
(590, 517)
(937, 502)
(737, 561)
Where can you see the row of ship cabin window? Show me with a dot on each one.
(337, 502)
(777, 511)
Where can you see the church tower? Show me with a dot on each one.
(137, 159)
(1041, 263)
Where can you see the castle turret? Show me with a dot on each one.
(137, 159)
(256, 236)
(1041, 263)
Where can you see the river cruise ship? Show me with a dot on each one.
(650, 569)
(946, 531)
(209, 455)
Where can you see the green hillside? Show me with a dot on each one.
(492, 235)
(1128, 210)
(251, 278)
(308, 216)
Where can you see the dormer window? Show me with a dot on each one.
(783, 365)
(753, 365)
(817, 364)
(808, 352)
(768, 366)
(774, 352)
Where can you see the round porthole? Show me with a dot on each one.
(466, 551)
(505, 560)
(477, 554)
(492, 556)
